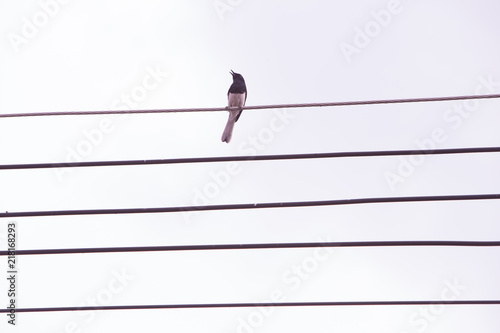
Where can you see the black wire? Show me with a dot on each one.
(252, 246)
(251, 158)
(251, 206)
(248, 305)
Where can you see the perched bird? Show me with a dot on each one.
(236, 96)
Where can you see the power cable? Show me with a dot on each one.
(252, 247)
(251, 158)
(251, 206)
(257, 107)
(249, 305)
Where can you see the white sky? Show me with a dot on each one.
(117, 54)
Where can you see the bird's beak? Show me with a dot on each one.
(231, 72)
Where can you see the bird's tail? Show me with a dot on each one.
(228, 130)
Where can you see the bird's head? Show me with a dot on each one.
(236, 76)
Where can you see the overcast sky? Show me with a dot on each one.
(71, 55)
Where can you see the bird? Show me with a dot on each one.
(236, 98)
